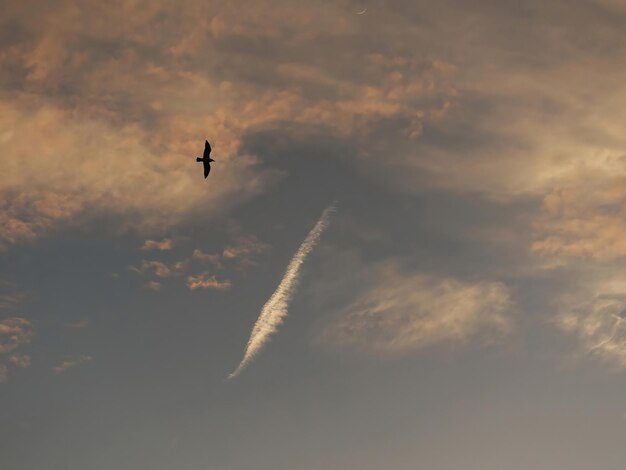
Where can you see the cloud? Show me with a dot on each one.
(154, 285)
(20, 360)
(71, 363)
(400, 313)
(121, 176)
(245, 250)
(275, 309)
(129, 88)
(593, 312)
(11, 299)
(10, 296)
(585, 218)
(14, 332)
(214, 259)
(122, 100)
(162, 245)
(245, 247)
(242, 252)
(206, 281)
(158, 268)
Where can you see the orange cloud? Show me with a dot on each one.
(159, 268)
(245, 247)
(121, 136)
(90, 165)
(162, 245)
(206, 281)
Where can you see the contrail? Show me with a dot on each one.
(275, 309)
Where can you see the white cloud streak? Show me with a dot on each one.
(275, 309)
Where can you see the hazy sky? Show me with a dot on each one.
(465, 307)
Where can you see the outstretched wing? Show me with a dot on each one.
(207, 168)
(207, 149)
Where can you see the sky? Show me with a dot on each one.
(461, 305)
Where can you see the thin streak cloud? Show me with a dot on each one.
(275, 309)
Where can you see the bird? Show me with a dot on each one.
(206, 159)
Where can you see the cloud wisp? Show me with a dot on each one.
(275, 309)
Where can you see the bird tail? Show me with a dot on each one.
(198, 159)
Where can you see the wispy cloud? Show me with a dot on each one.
(154, 285)
(594, 313)
(10, 296)
(162, 245)
(214, 259)
(14, 332)
(246, 246)
(206, 281)
(160, 269)
(399, 313)
(275, 309)
(70, 363)
(20, 360)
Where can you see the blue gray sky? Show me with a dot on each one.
(464, 308)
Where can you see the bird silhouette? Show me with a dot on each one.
(206, 159)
